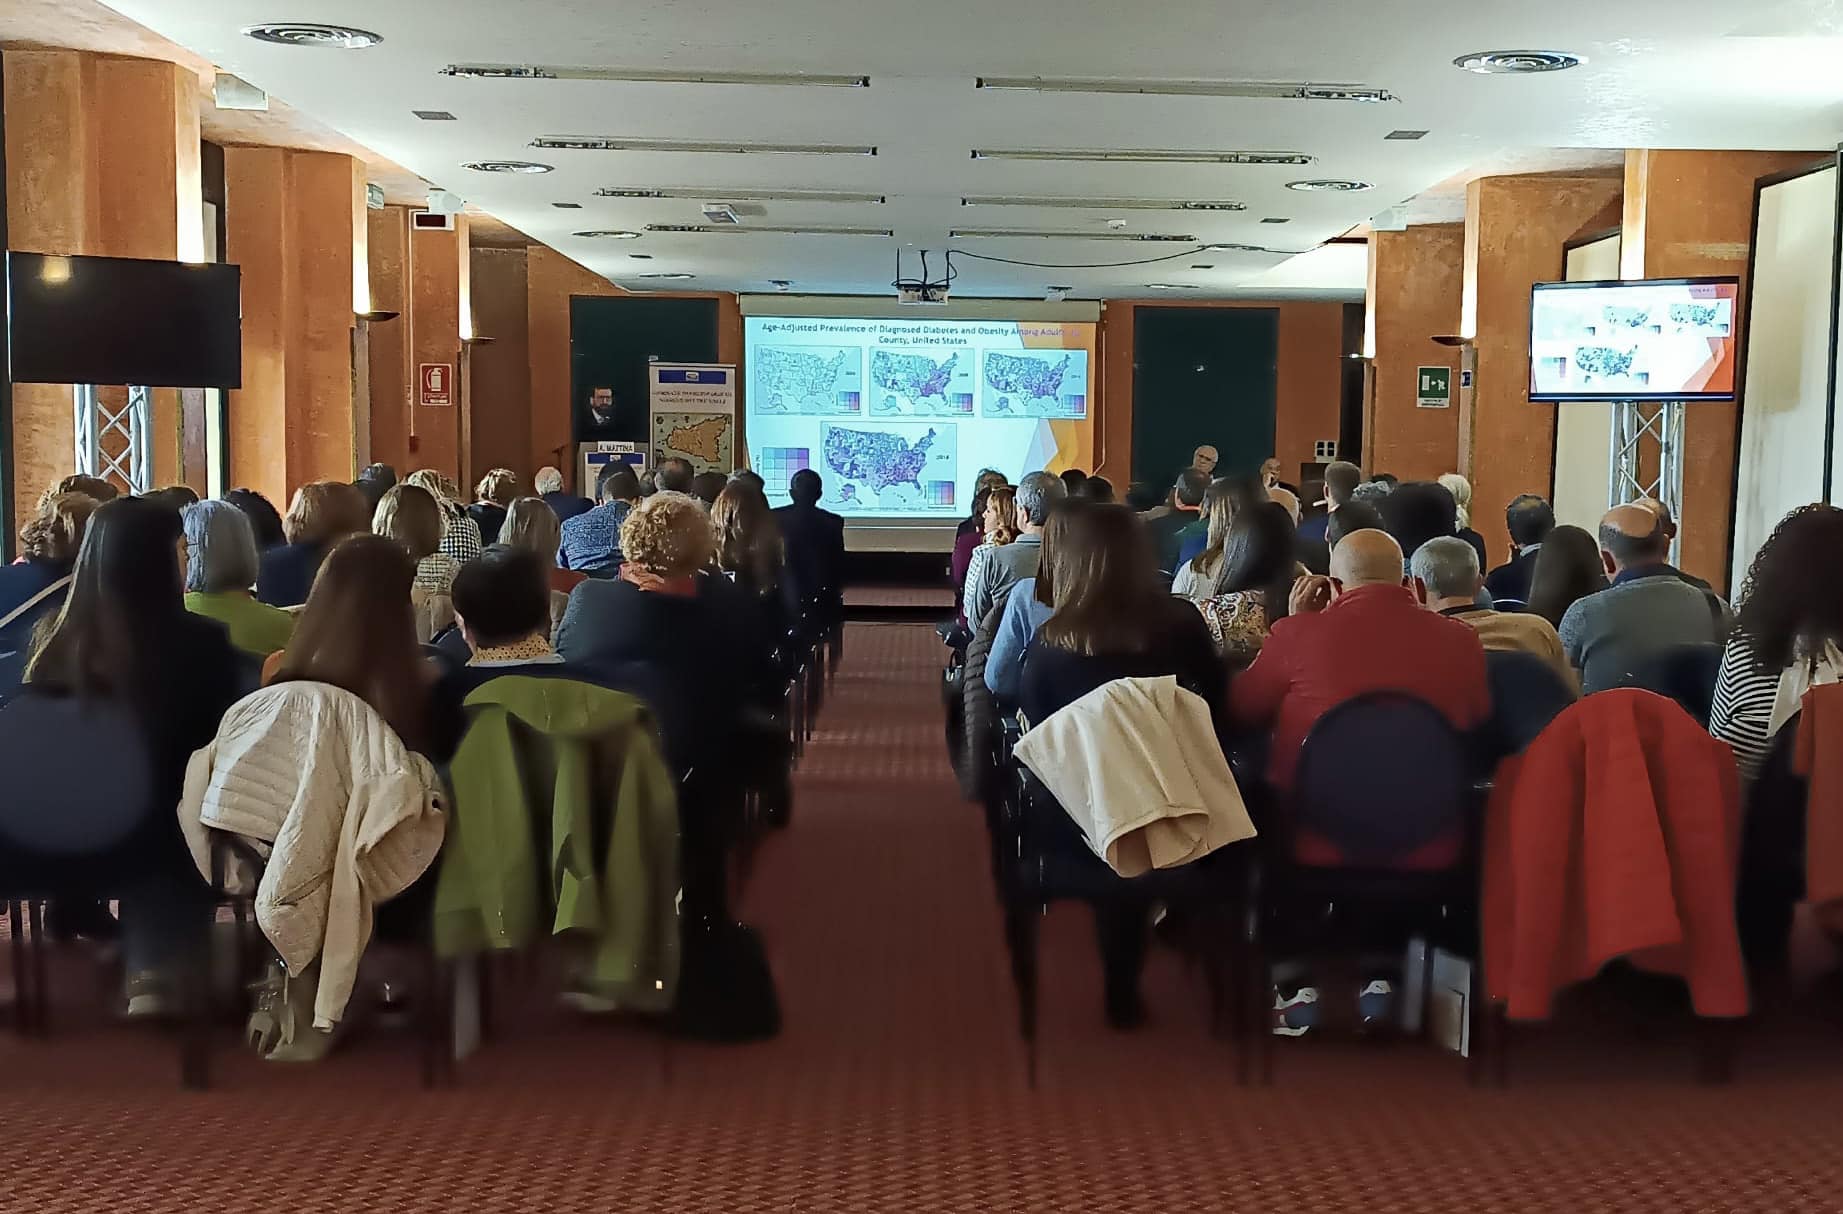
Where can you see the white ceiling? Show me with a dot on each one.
(1660, 73)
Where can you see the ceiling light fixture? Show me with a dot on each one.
(1275, 90)
(1404, 135)
(1276, 219)
(567, 206)
(508, 166)
(433, 115)
(533, 71)
(700, 194)
(601, 143)
(1171, 286)
(1517, 63)
(712, 229)
(1046, 234)
(1328, 185)
(1142, 156)
(607, 234)
(641, 256)
(308, 33)
(1097, 204)
(676, 277)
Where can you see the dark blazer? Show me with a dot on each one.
(489, 517)
(567, 505)
(287, 574)
(815, 542)
(1511, 580)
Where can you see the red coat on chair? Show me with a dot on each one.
(1616, 834)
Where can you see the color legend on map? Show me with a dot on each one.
(778, 465)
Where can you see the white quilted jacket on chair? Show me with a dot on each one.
(349, 815)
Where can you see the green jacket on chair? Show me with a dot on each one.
(546, 760)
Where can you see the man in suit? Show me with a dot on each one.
(1341, 480)
(1529, 520)
(815, 541)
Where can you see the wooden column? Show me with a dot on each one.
(438, 268)
(389, 340)
(1414, 291)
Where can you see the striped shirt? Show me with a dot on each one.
(1743, 707)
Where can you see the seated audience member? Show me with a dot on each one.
(549, 485)
(751, 554)
(1185, 519)
(1072, 480)
(814, 542)
(1255, 583)
(460, 534)
(1669, 523)
(497, 490)
(34, 587)
(502, 609)
(90, 486)
(320, 515)
(532, 525)
(1341, 480)
(409, 516)
(1461, 489)
(174, 497)
(996, 568)
(1567, 569)
(1371, 492)
(750, 477)
(1111, 619)
(592, 540)
(1788, 634)
(1529, 519)
(1446, 581)
(265, 520)
(1204, 460)
(674, 475)
(1096, 489)
(1647, 609)
(649, 482)
(1026, 607)
(358, 633)
(706, 486)
(967, 540)
(1352, 517)
(125, 635)
(1287, 500)
(1360, 630)
(1225, 498)
(987, 480)
(374, 482)
(220, 569)
(1418, 511)
(1145, 501)
(1271, 468)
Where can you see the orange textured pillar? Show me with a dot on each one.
(1690, 215)
(1515, 230)
(102, 158)
(437, 287)
(1414, 292)
(389, 340)
(295, 224)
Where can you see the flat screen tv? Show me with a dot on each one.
(1655, 339)
(116, 320)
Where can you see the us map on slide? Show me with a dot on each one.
(891, 467)
(809, 380)
(1050, 384)
(921, 384)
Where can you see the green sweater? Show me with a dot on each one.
(254, 627)
(545, 763)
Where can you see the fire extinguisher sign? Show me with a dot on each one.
(437, 384)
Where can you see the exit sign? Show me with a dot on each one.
(1433, 387)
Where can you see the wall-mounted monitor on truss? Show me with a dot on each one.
(1652, 339)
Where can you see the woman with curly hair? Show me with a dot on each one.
(1788, 635)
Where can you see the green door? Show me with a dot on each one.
(1203, 376)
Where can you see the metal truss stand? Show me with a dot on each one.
(1647, 435)
(114, 443)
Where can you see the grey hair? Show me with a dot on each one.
(1449, 567)
(548, 480)
(1036, 493)
(1370, 491)
(220, 548)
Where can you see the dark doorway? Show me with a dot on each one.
(612, 338)
(1203, 375)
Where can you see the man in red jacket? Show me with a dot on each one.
(1360, 630)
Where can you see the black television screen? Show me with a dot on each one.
(115, 320)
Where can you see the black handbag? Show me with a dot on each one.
(725, 988)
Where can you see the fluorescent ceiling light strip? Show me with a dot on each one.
(1031, 234)
(708, 229)
(697, 194)
(535, 71)
(609, 143)
(1278, 90)
(1097, 204)
(1138, 155)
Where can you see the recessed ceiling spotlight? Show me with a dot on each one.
(508, 166)
(433, 115)
(1406, 135)
(781, 284)
(567, 206)
(308, 33)
(1330, 185)
(607, 234)
(675, 277)
(1517, 63)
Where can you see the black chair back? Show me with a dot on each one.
(1685, 673)
(1380, 776)
(1526, 694)
(78, 774)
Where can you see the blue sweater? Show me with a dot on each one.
(1004, 665)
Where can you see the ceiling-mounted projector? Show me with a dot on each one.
(720, 212)
(927, 289)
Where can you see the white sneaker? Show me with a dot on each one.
(1295, 1017)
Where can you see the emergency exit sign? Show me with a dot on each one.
(1433, 387)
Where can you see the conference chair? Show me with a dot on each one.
(1684, 673)
(1386, 783)
(1526, 694)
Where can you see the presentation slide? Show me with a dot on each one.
(900, 416)
(1632, 341)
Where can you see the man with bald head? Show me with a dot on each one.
(1648, 610)
(1357, 631)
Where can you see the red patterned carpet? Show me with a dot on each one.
(899, 1083)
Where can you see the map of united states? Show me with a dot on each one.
(880, 460)
(1032, 377)
(791, 379)
(913, 375)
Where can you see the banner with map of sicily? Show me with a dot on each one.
(693, 407)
